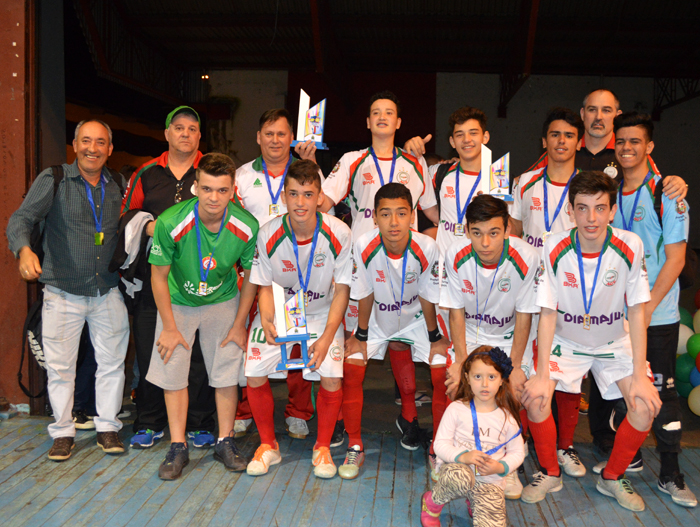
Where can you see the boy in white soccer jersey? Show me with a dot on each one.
(588, 276)
(395, 278)
(489, 288)
(308, 251)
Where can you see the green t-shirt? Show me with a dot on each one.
(175, 244)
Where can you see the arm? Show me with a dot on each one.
(669, 273)
(432, 214)
(429, 312)
(459, 343)
(170, 337)
(523, 322)
(675, 187)
(327, 204)
(516, 227)
(640, 387)
(319, 349)
(538, 386)
(266, 306)
(238, 333)
(416, 145)
(352, 345)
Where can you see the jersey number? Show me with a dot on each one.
(557, 351)
(258, 336)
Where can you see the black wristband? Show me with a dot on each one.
(362, 334)
(434, 336)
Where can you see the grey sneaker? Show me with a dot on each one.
(540, 485)
(297, 428)
(678, 490)
(227, 453)
(175, 460)
(514, 489)
(571, 463)
(622, 491)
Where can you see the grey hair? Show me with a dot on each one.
(81, 123)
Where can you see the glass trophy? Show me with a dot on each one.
(311, 122)
(290, 322)
(499, 178)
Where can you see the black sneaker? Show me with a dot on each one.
(175, 460)
(338, 434)
(227, 452)
(83, 421)
(410, 433)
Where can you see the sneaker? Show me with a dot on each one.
(241, 427)
(622, 491)
(583, 406)
(175, 460)
(636, 465)
(432, 460)
(338, 434)
(145, 438)
(430, 512)
(297, 428)
(83, 421)
(201, 439)
(540, 485)
(123, 413)
(571, 463)
(61, 449)
(265, 456)
(421, 399)
(227, 452)
(514, 488)
(110, 442)
(410, 433)
(354, 459)
(678, 490)
(323, 464)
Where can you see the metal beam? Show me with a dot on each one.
(670, 92)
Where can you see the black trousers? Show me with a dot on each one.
(150, 402)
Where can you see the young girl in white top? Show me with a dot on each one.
(479, 442)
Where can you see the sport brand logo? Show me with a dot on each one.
(381, 277)
(368, 179)
(450, 192)
(570, 280)
(257, 183)
(536, 204)
(468, 287)
(254, 354)
(288, 266)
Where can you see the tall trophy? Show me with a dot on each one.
(311, 122)
(290, 322)
(499, 178)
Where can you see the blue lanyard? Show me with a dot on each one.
(403, 275)
(547, 224)
(379, 170)
(477, 438)
(461, 213)
(587, 306)
(88, 191)
(204, 273)
(276, 195)
(625, 225)
(493, 280)
(305, 284)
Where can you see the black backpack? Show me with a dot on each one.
(440, 175)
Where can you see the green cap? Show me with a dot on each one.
(179, 110)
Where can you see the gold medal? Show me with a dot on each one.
(545, 235)
(459, 229)
(274, 209)
(202, 288)
(99, 238)
(586, 321)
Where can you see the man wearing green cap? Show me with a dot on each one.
(153, 188)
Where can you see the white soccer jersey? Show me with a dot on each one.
(513, 289)
(275, 260)
(622, 277)
(355, 177)
(528, 207)
(448, 203)
(375, 271)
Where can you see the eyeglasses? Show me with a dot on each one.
(178, 189)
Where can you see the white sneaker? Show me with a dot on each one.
(265, 456)
(241, 427)
(323, 463)
(678, 490)
(540, 485)
(622, 491)
(297, 428)
(571, 463)
(514, 488)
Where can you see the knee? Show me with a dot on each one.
(331, 384)
(256, 382)
(641, 417)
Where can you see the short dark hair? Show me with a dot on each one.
(304, 172)
(592, 182)
(465, 113)
(485, 208)
(617, 99)
(628, 119)
(393, 191)
(216, 164)
(386, 94)
(566, 115)
(272, 116)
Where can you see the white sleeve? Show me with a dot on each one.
(451, 291)
(526, 299)
(516, 208)
(545, 281)
(429, 282)
(361, 286)
(637, 290)
(336, 184)
(427, 198)
(342, 273)
(261, 269)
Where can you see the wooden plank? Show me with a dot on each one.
(22, 434)
(381, 514)
(401, 501)
(540, 513)
(16, 460)
(366, 484)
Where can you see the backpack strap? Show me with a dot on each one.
(439, 178)
(658, 192)
(58, 175)
(118, 179)
(36, 306)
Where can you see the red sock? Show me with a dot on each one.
(567, 410)
(545, 437)
(243, 408)
(263, 407)
(353, 397)
(627, 441)
(299, 404)
(438, 376)
(405, 374)
(340, 414)
(524, 420)
(328, 405)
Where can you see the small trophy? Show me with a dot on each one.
(311, 122)
(290, 322)
(486, 157)
(499, 179)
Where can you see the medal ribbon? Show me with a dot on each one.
(204, 273)
(547, 224)
(274, 197)
(477, 438)
(461, 213)
(403, 275)
(305, 284)
(379, 170)
(88, 191)
(625, 225)
(493, 280)
(587, 306)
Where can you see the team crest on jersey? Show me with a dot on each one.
(504, 285)
(539, 273)
(156, 250)
(335, 353)
(257, 183)
(681, 207)
(288, 266)
(368, 179)
(468, 287)
(403, 177)
(450, 192)
(639, 214)
(610, 277)
(411, 277)
(380, 277)
(319, 260)
(335, 168)
(570, 280)
(644, 264)
(435, 269)
(206, 263)
(536, 204)
(354, 266)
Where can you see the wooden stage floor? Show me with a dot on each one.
(97, 489)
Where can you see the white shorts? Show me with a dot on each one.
(262, 359)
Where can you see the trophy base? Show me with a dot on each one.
(508, 198)
(319, 145)
(293, 364)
